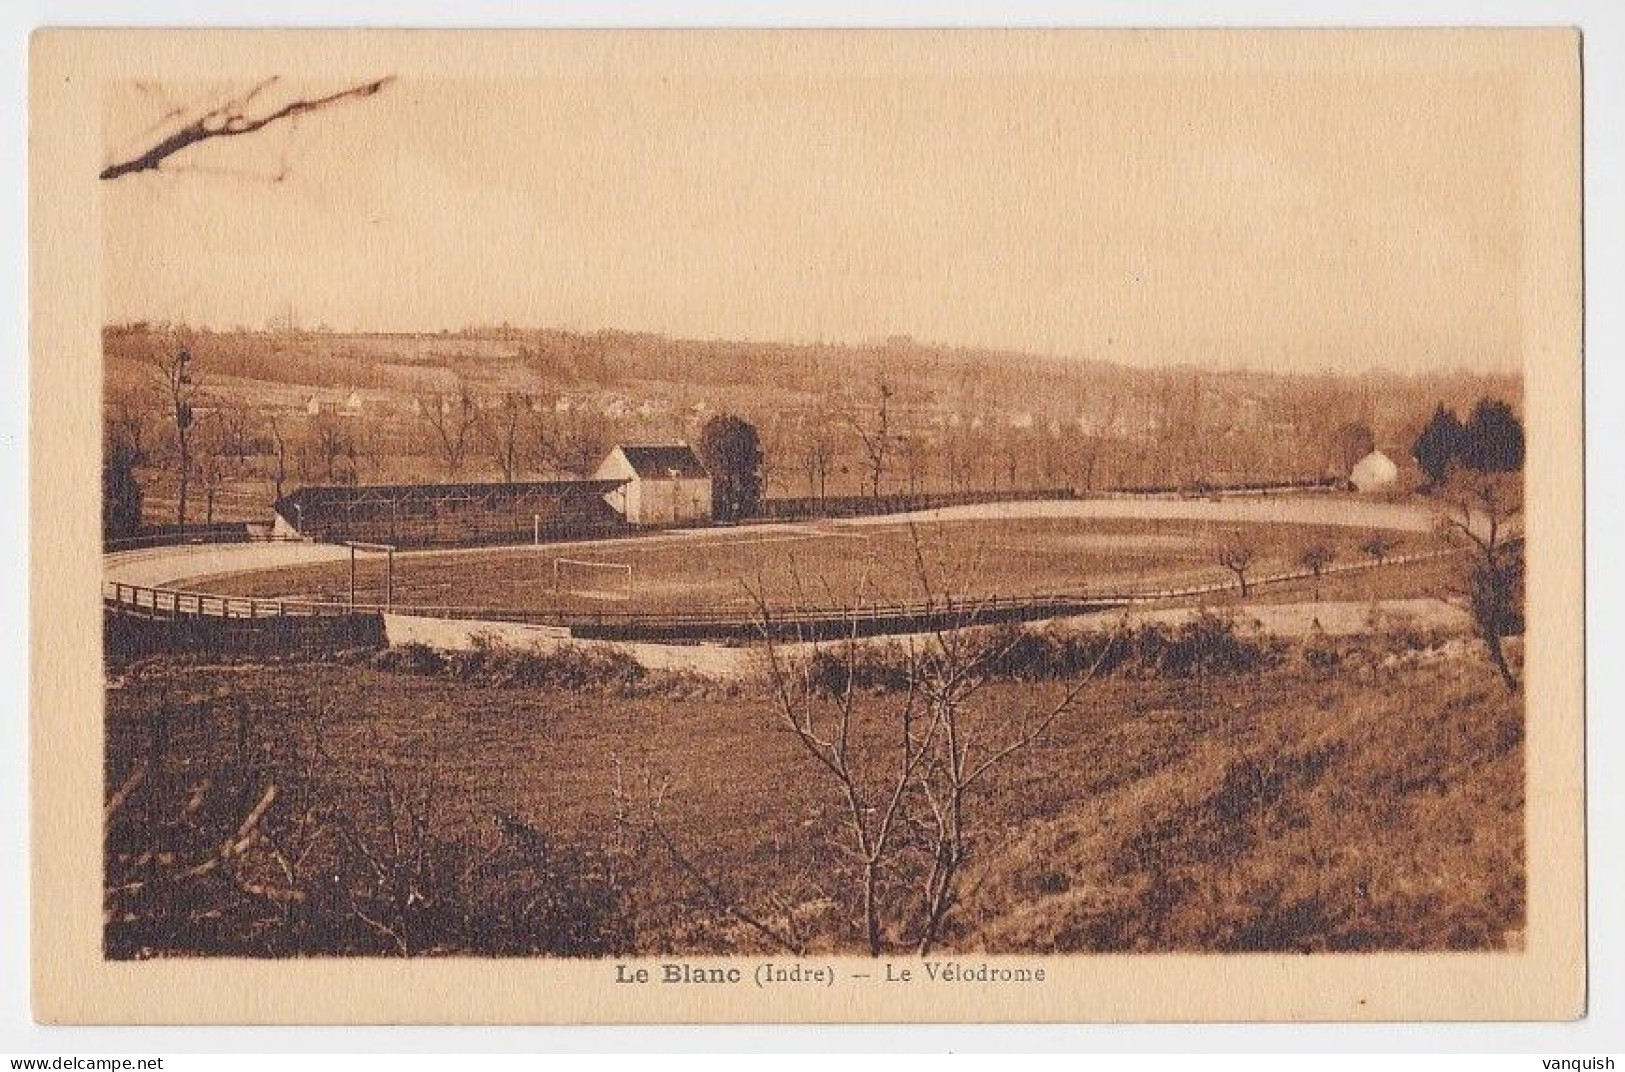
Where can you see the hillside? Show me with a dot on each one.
(1363, 796)
(1338, 817)
(350, 409)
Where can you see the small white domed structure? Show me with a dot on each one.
(1374, 472)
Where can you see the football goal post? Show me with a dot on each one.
(592, 580)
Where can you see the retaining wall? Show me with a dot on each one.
(444, 634)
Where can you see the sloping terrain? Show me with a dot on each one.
(1335, 817)
(1356, 794)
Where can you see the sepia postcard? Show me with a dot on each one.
(806, 526)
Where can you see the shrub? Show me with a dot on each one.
(572, 668)
(259, 852)
(1206, 645)
(526, 896)
(1319, 653)
(576, 668)
(410, 659)
(875, 667)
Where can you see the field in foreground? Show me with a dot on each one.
(1358, 798)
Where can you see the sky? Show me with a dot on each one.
(1268, 219)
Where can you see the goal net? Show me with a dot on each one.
(592, 580)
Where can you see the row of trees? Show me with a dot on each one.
(516, 433)
(873, 444)
(202, 442)
(882, 438)
(1238, 554)
(171, 423)
(867, 438)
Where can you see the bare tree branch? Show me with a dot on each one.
(721, 899)
(232, 119)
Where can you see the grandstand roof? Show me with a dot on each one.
(339, 494)
(664, 460)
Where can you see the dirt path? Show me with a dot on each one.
(159, 567)
(1296, 510)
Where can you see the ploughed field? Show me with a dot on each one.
(830, 565)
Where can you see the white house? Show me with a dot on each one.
(666, 483)
(352, 405)
(1374, 472)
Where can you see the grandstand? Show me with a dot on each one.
(440, 515)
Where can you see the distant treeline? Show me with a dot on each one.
(900, 420)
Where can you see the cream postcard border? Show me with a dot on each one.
(73, 984)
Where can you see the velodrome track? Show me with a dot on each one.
(153, 583)
(175, 566)
(1341, 511)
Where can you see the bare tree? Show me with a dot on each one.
(128, 421)
(236, 432)
(874, 434)
(1181, 428)
(1236, 555)
(774, 442)
(1485, 523)
(573, 443)
(817, 455)
(332, 445)
(358, 449)
(909, 771)
(1012, 451)
(181, 394)
(451, 419)
(242, 113)
(915, 453)
(1315, 558)
(1080, 454)
(823, 727)
(638, 826)
(1379, 546)
(211, 458)
(1349, 442)
(279, 450)
(955, 453)
(125, 447)
(381, 444)
(504, 430)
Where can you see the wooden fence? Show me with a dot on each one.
(801, 509)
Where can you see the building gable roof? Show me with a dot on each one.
(659, 461)
(1377, 461)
